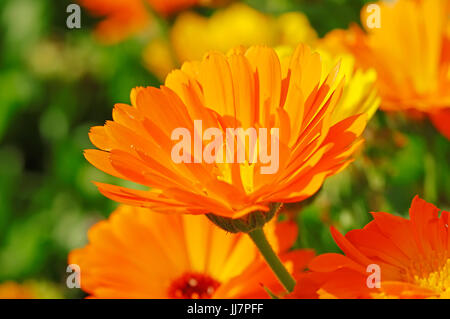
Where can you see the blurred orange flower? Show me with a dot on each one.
(359, 94)
(13, 290)
(245, 89)
(29, 290)
(125, 17)
(138, 254)
(166, 7)
(413, 256)
(121, 18)
(411, 53)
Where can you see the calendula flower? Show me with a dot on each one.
(123, 18)
(192, 34)
(245, 89)
(225, 99)
(140, 254)
(412, 257)
(410, 52)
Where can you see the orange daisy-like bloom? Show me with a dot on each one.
(126, 17)
(137, 254)
(245, 89)
(413, 257)
(411, 54)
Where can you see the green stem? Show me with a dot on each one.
(260, 240)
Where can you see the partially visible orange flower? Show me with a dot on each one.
(413, 256)
(121, 18)
(441, 120)
(126, 17)
(13, 290)
(28, 290)
(245, 89)
(139, 254)
(410, 52)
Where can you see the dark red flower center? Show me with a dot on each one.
(193, 286)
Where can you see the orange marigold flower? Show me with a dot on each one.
(411, 54)
(125, 17)
(413, 257)
(137, 254)
(246, 89)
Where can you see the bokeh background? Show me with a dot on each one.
(55, 83)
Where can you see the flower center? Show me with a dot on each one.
(438, 281)
(193, 286)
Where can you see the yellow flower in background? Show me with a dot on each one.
(192, 35)
(294, 27)
(158, 57)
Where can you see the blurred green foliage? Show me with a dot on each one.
(57, 83)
